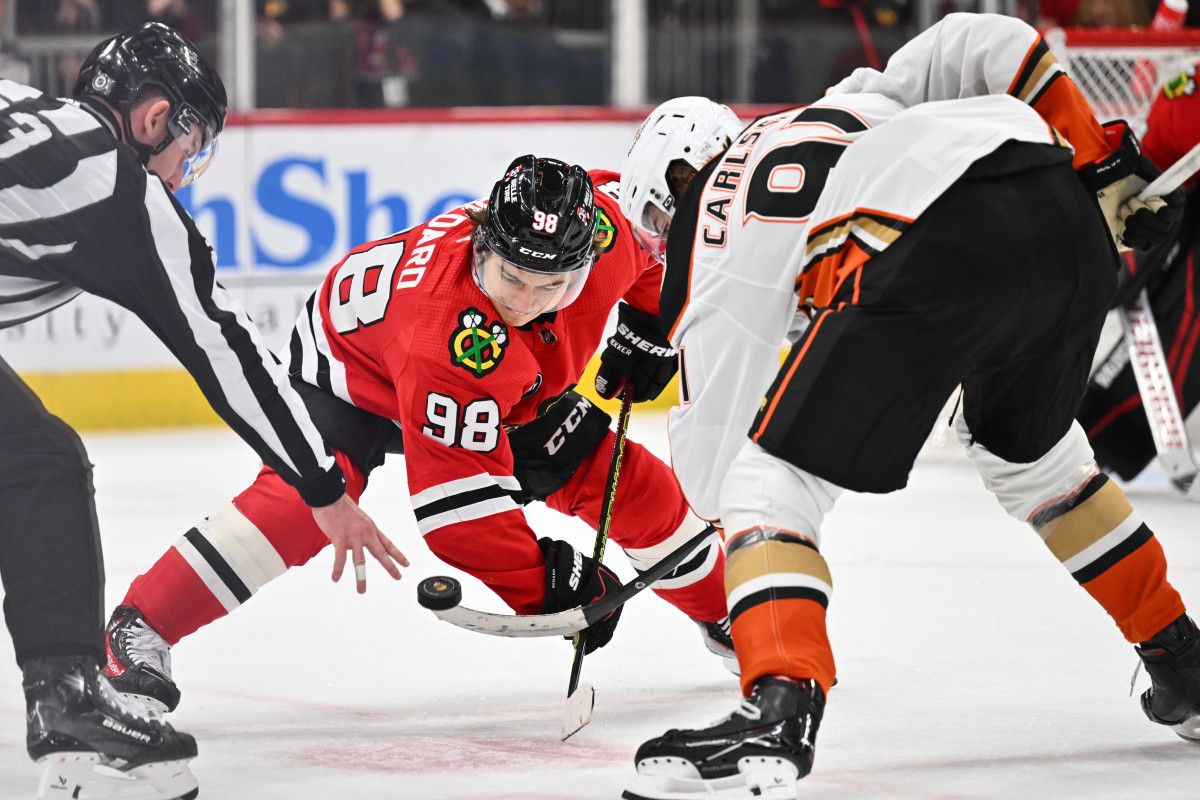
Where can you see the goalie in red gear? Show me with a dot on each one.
(457, 342)
(1111, 411)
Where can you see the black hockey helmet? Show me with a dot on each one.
(155, 55)
(542, 216)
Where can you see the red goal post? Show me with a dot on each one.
(1121, 71)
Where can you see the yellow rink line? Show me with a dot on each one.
(169, 398)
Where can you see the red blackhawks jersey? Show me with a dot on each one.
(1173, 126)
(400, 329)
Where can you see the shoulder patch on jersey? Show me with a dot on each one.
(477, 345)
(1182, 84)
(605, 226)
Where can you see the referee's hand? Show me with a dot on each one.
(350, 529)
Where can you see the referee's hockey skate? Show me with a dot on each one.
(93, 744)
(139, 661)
(1172, 658)
(758, 752)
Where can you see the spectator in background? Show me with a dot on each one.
(384, 64)
(195, 19)
(1111, 14)
(57, 16)
(520, 11)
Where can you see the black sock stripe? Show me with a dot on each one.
(1031, 64)
(219, 565)
(1048, 515)
(444, 504)
(1045, 87)
(778, 593)
(758, 536)
(1105, 562)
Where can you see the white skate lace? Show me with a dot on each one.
(1133, 680)
(146, 648)
(745, 709)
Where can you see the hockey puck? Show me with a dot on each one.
(439, 593)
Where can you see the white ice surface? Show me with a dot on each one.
(971, 666)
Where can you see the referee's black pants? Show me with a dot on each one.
(50, 560)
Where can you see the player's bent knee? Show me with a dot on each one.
(762, 491)
(231, 556)
(1027, 491)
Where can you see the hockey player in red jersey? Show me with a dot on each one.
(458, 342)
(1111, 411)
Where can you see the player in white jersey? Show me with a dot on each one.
(917, 229)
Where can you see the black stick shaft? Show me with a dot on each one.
(606, 512)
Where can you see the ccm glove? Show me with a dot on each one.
(1116, 179)
(638, 353)
(573, 579)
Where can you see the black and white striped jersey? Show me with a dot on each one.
(79, 213)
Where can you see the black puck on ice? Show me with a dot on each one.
(439, 593)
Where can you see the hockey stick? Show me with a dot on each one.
(1150, 364)
(442, 596)
(582, 699)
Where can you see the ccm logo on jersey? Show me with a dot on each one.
(559, 437)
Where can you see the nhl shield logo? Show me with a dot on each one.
(475, 345)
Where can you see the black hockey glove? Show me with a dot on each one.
(1116, 180)
(637, 352)
(549, 449)
(573, 579)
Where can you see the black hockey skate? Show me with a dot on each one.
(1172, 657)
(759, 751)
(93, 743)
(719, 642)
(139, 661)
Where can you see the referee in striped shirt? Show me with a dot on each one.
(86, 206)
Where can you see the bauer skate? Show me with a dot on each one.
(720, 643)
(92, 743)
(1172, 658)
(139, 661)
(757, 753)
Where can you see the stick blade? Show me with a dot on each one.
(578, 712)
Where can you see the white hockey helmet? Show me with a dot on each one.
(691, 129)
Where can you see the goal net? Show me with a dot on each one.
(1120, 71)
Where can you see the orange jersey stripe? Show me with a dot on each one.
(792, 371)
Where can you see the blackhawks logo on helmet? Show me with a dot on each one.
(475, 345)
